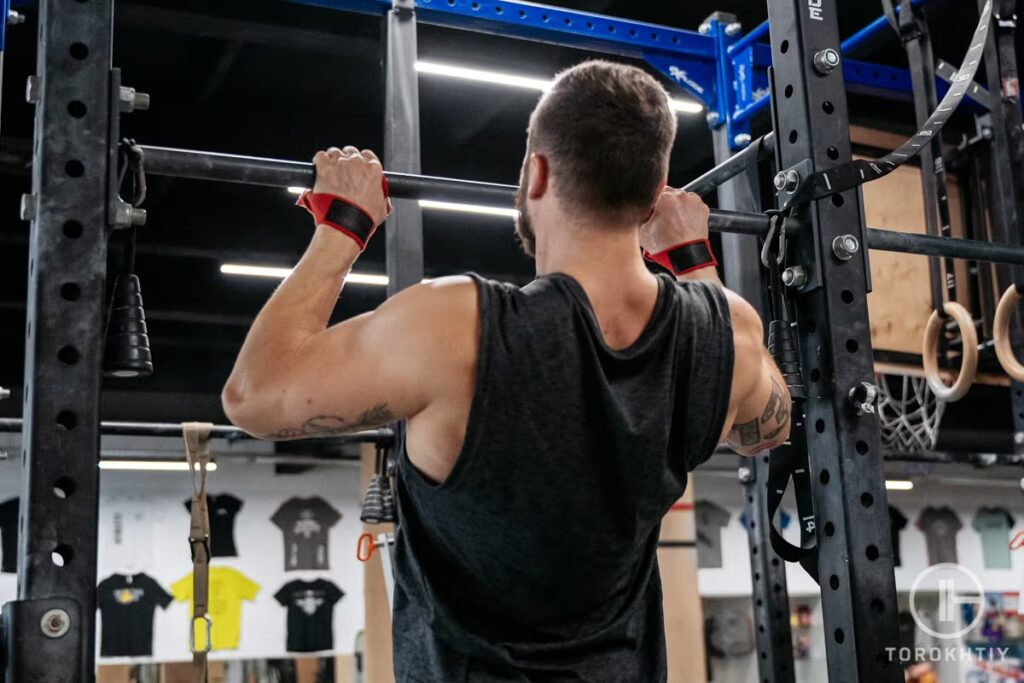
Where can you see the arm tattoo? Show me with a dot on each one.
(320, 426)
(773, 420)
(774, 403)
(749, 433)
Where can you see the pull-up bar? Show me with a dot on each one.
(181, 163)
(382, 436)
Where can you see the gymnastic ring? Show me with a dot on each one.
(930, 353)
(1001, 333)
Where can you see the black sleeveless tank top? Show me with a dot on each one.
(536, 560)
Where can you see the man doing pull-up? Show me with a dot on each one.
(550, 427)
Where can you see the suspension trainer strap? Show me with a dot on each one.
(854, 173)
(790, 462)
(197, 450)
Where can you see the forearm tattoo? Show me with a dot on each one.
(320, 426)
(773, 421)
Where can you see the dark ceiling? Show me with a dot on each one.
(281, 79)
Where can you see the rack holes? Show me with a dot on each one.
(451, 3)
(839, 636)
(68, 355)
(866, 499)
(545, 18)
(775, 562)
(64, 487)
(69, 291)
(77, 108)
(830, 529)
(611, 28)
(31, 267)
(78, 50)
(760, 628)
(833, 582)
(871, 552)
(862, 447)
(67, 419)
(632, 32)
(764, 655)
(827, 107)
(793, 135)
(675, 40)
(760, 602)
(819, 426)
(877, 606)
(765, 459)
(788, 92)
(833, 153)
(757, 576)
(72, 230)
(784, 47)
(475, 6)
(837, 200)
(852, 346)
(846, 296)
(753, 551)
(62, 555)
(777, 587)
(74, 168)
(750, 499)
(590, 25)
(654, 36)
(568, 21)
(498, 9)
(522, 14)
(824, 477)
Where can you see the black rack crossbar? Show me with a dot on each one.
(730, 168)
(383, 436)
(182, 163)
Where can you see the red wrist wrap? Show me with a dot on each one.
(686, 257)
(341, 214)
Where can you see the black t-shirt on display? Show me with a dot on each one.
(310, 614)
(9, 535)
(223, 508)
(127, 604)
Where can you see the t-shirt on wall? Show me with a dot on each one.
(940, 526)
(223, 508)
(306, 524)
(127, 604)
(710, 520)
(310, 614)
(228, 589)
(993, 526)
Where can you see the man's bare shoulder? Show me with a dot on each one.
(437, 316)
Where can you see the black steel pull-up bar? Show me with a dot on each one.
(382, 436)
(182, 163)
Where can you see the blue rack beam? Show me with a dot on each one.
(699, 63)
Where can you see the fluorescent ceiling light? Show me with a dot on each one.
(296, 190)
(468, 208)
(481, 76)
(151, 465)
(898, 485)
(515, 81)
(281, 273)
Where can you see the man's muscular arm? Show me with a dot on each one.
(759, 404)
(296, 378)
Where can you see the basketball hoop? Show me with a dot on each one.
(908, 413)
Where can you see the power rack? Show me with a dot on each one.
(49, 631)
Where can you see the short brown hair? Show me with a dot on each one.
(607, 130)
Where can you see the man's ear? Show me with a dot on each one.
(540, 176)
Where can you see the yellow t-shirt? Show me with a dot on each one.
(228, 588)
